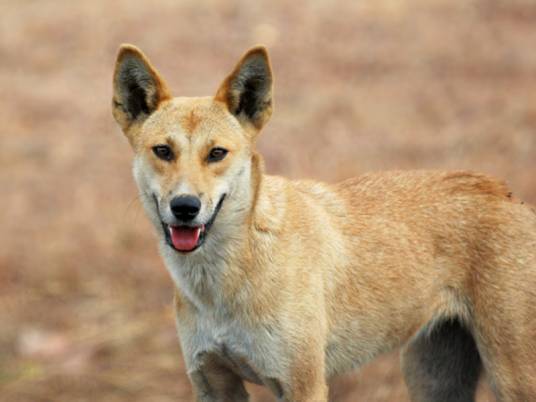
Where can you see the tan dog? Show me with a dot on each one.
(287, 283)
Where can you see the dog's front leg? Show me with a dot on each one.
(307, 382)
(317, 392)
(212, 382)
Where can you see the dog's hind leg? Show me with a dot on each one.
(442, 364)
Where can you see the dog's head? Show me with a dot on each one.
(192, 155)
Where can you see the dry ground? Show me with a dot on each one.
(360, 85)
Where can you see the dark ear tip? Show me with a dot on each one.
(258, 50)
(126, 49)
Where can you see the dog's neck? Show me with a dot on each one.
(216, 275)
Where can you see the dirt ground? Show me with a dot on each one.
(365, 85)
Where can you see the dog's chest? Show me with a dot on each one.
(247, 352)
(237, 362)
(231, 344)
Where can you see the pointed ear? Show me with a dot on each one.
(247, 91)
(138, 88)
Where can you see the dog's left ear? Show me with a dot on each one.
(247, 91)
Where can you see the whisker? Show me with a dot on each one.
(138, 197)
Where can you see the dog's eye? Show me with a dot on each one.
(164, 152)
(216, 154)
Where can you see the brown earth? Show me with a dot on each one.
(365, 85)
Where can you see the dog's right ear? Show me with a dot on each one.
(138, 88)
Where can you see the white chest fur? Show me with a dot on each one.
(251, 353)
(211, 330)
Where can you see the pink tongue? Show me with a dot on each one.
(184, 238)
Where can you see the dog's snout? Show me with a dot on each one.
(185, 207)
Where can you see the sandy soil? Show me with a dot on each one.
(365, 85)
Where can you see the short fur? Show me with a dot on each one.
(298, 281)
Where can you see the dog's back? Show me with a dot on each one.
(450, 255)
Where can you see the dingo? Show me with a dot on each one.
(287, 283)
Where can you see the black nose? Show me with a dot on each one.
(185, 207)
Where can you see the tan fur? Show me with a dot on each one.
(190, 122)
(301, 280)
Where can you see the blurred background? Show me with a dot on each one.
(85, 301)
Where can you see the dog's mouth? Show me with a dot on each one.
(185, 238)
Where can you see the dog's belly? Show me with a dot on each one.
(345, 351)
